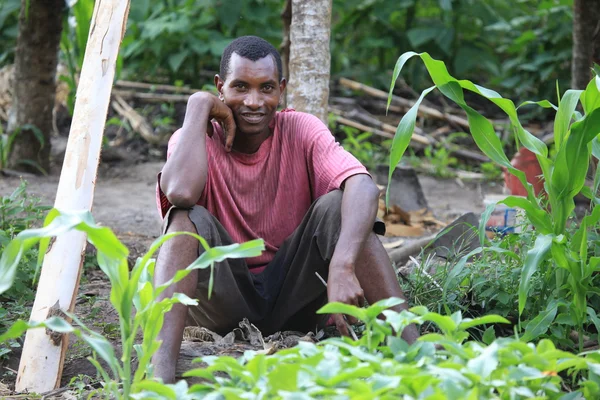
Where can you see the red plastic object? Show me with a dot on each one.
(525, 161)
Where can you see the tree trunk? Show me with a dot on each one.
(284, 49)
(36, 58)
(310, 60)
(586, 16)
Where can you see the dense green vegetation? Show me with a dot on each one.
(520, 47)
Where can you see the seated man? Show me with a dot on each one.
(280, 176)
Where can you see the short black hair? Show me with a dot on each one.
(252, 48)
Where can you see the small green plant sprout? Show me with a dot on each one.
(132, 295)
(563, 255)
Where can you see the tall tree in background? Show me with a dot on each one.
(36, 58)
(309, 59)
(586, 26)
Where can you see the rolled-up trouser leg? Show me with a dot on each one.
(234, 295)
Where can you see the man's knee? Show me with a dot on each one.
(329, 205)
(178, 220)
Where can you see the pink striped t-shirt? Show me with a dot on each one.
(266, 194)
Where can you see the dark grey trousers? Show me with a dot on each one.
(287, 294)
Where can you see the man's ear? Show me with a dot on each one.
(219, 84)
(282, 86)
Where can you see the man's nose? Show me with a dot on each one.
(253, 100)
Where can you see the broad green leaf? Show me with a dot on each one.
(402, 137)
(542, 103)
(156, 388)
(540, 324)
(590, 98)
(375, 309)
(534, 258)
(487, 319)
(536, 215)
(486, 362)
(593, 317)
(341, 308)
(566, 107)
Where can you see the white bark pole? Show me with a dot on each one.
(310, 59)
(42, 359)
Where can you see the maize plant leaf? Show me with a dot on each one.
(590, 98)
(534, 258)
(536, 215)
(580, 234)
(566, 108)
(572, 162)
(402, 137)
(397, 69)
(485, 217)
(341, 308)
(594, 318)
(543, 104)
(596, 153)
(440, 76)
(540, 324)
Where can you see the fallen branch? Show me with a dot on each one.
(383, 129)
(137, 122)
(153, 97)
(403, 254)
(423, 110)
(155, 86)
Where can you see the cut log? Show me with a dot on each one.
(423, 110)
(42, 358)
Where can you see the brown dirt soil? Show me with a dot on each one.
(124, 200)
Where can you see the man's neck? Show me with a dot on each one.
(250, 144)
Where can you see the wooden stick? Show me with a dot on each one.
(153, 97)
(155, 86)
(388, 131)
(423, 110)
(137, 122)
(42, 359)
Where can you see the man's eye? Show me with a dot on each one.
(268, 88)
(240, 86)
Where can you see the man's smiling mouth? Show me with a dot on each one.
(253, 118)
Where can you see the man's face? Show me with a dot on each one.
(252, 90)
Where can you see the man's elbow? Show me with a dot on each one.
(182, 198)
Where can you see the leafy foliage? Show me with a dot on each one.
(566, 258)
(18, 212)
(520, 47)
(130, 290)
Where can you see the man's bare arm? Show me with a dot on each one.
(184, 174)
